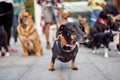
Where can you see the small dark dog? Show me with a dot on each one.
(3, 42)
(104, 20)
(65, 48)
(99, 27)
(115, 26)
(99, 39)
(111, 9)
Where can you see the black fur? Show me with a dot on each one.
(66, 31)
(101, 38)
(100, 27)
(118, 47)
(97, 33)
(3, 40)
(115, 26)
(111, 9)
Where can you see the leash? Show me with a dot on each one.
(26, 4)
(6, 13)
(29, 34)
(54, 12)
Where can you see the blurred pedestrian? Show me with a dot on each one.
(49, 15)
(6, 19)
(117, 4)
(97, 7)
(18, 8)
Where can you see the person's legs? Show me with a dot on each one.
(97, 12)
(48, 16)
(2, 11)
(7, 24)
(93, 18)
(8, 20)
(15, 24)
(47, 26)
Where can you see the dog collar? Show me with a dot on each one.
(29, 33)
(32, 32)
(64, 43)
(72, 48)
(103, 21)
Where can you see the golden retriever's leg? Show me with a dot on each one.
(37, 47)
(25, 50)
(73, 64)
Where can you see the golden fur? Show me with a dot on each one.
(64, 15)
(28, 35)
(83, 21)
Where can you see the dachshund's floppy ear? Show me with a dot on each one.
(60, 30)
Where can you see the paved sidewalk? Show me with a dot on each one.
(91, 66)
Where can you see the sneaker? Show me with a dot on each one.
(48, 45)
(7, 54)
(11, 49)
(16, 43)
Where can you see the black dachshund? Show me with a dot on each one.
(65, 48)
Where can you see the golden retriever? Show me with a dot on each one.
(28, 35)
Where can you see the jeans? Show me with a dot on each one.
(94, 16)
(15, 24)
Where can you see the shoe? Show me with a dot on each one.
(16, 43)
(48, 45)
(7, 54)
(11, 49)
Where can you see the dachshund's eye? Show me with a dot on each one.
(74, 28)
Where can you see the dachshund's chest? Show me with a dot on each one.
(66, 56)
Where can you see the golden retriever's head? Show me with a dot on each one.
(25, 19)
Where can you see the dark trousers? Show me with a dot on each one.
(6, 18)
(15, 24)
